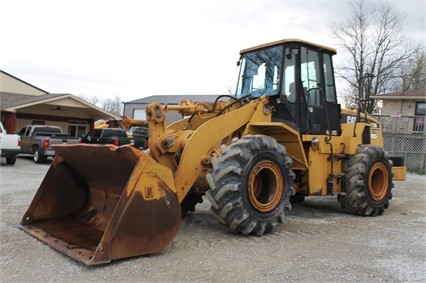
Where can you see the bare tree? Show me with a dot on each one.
(373, 39)
(93, 100)
(113, 105)
(414, 76)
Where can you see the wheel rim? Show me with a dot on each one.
(35, 157)
(378, 181)
(265, 186)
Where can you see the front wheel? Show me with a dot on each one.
(369, 178)
(250, 184)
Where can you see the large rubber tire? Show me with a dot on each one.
(38, 156)
(369, 182)
(250, 184)
(10, 160)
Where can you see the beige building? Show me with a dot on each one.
(403, 112)
(407, 103)
(403, 121)
(24, 104)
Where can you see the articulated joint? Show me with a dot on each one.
(155, 112)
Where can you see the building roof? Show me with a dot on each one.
(22, 81)
(175, 99)
(13, 102)
(416, 94)
(43, 102)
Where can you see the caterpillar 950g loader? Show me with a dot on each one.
(282, 137)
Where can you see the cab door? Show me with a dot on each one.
(318, 92)
(24, 133)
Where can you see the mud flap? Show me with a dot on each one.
(99, 203)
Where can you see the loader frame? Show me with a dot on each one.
(250, 155)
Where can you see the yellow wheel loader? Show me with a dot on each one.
(282, 137)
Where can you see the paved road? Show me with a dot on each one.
(317, 243)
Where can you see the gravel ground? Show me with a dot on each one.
(317, 243)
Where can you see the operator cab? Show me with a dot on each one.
(298, 78)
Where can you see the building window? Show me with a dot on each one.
(139, 114)
(419, 120)
(76, 128)
(420, 109)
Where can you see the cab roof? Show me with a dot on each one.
(278, 42)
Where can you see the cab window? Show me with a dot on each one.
(310, 76)
(289, 86)
(260, 71)
(330, 89)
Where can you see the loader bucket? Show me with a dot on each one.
(99, 203)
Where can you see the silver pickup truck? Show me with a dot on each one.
(38, 139)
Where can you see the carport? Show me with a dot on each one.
(74, 115)
(22, 103)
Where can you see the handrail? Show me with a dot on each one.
(402, 124)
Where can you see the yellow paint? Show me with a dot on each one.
(150, 179)
(399, 173)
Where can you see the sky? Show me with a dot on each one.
(133, 49)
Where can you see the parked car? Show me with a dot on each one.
(138, 131)
(10, 145)
(115, 136)
(38, 139)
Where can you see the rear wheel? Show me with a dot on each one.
(249, 185)
(38, 156)
(10, 160)
(369, 178)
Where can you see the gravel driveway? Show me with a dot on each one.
(317, 243)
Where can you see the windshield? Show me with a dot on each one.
(260, 71)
